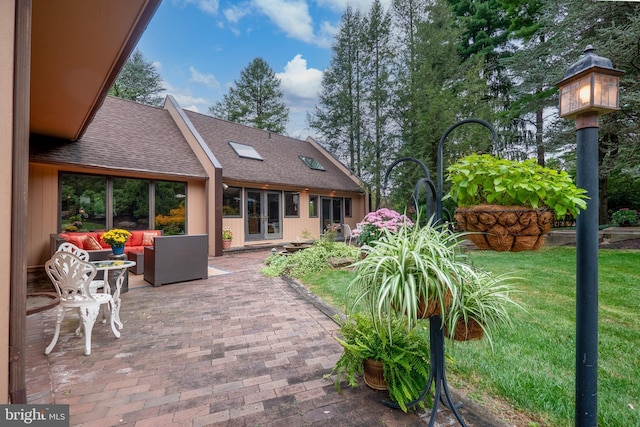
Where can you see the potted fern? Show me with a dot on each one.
(387, 358)
(510, 205)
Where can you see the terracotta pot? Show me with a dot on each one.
(373, 374)
(505, 228)
(467, 332)
(226, 244)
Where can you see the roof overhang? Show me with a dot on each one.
(77, 49)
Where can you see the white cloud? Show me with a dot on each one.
(208, 80)
(184, 97)
(236, 12)
(341, 5)
(292, 17)
(300, 84)
(207, 6)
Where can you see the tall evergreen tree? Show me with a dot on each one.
(408, 15)
(256, 100)
(379, 146)
(338, 116)
(613, 29)
(138, 81)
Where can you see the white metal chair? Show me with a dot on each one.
(71, 277)
(348, 235)
(83, 255)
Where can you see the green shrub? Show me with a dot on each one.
(625, 217)
(306, 261)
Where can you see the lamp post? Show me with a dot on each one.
(589, 89)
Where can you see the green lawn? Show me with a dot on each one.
(532, 365)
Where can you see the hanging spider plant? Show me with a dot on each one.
(482, 306)
(414, 272)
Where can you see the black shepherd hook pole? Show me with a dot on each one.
(439, 193)
(437, 375)
(416, 191)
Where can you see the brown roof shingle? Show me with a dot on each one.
(281, 164)
(128, 136)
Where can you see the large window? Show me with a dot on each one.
(93, 202)
(83, 202)
(347, 208)
(232, 201)
(291, 203)
(170, 209)
(130, 203)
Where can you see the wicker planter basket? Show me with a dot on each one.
(505, 228)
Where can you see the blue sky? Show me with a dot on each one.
(200, 47)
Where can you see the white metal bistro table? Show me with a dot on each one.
(114, 274)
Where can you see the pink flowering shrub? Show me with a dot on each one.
(374, 223)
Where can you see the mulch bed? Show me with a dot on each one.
(621, 244)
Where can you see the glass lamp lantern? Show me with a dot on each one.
(589, 85)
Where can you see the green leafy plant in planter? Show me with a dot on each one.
(625, 218)
(404, 356)
(511, 203)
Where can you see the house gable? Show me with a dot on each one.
(280, 164)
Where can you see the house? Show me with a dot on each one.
(71, 150)
(267, 188)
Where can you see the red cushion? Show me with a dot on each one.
(135, 239)
(104, 244)
(74, 240)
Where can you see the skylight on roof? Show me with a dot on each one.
(312, 163)
(244, 150)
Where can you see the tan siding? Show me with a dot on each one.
(197, 208)
(7, 17)
(43, 209)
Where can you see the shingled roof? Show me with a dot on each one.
(281, 164)
(127, 136)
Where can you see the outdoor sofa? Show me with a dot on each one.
(176, 259)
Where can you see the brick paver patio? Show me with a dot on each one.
(239, 349)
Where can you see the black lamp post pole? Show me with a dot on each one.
(587, 274)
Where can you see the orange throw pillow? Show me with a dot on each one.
(91, 244)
